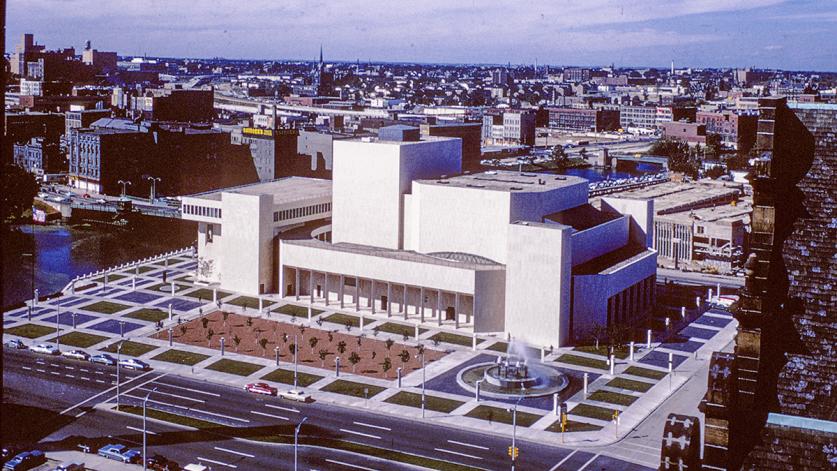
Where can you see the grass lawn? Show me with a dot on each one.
(206, 294)
(234, 367)
(181, 357)
(501, 347)
(247, 301)
(80, 339)
(132, 349)
(350, 388)
(146, 269)
(287, 377)
(30, 331)
(111, 278)
(496, 414)
(400, 329)
(343, 319)
(594, 412)
(613, 398)
(573, 426)
(645, 372)
(633, 385)
(456, 339)
(621, 352)
(299, 311)
(582, 361)
(147, 314)
(434, 403)
(105, 307)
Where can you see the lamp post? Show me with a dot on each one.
(296, 440)
(123, 183)
(296, 364)
(118, 352)
(145, 432)
(514, 432)
(153, 181)
(423, 380)
(58, 329)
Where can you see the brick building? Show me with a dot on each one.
(737, 131)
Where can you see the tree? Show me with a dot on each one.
(404, 355)
(389, 343)
(319, 321)
(359, 341)
(301, 329)
(420, 349)
(236, 341)
(292, 349)
(263, 344)
(341, 346)
(386, 366)
(354, 359)
(680, 157)
(183, 329)
(330, 337)
(209, 335)
(323, 353)
(559, 157)
(204, 322)
(597, 331)
(249, 322)
(313, 341)
(18, 189)
(225, 315)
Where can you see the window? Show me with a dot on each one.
(276, 216)
(209, 230)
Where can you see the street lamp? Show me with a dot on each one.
(153, 181)
(296, 364)
(423, 380)
(296, 440)
(118, 352)
(514, 433)
(58, 329)
(145, 432)
(123, 183)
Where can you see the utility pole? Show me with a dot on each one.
(145, 432)
(296, 364)
(118, 352)
(153, 181)
(423, 380)
(123, 183)
(296, 440)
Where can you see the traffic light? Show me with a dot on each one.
(513, 452)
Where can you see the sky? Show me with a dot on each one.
(791, 35)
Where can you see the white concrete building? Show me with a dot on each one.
(504, 252)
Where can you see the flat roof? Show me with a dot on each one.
(284, 190)
(721, 212)
(672, 195)
(612, 261)
(507, 180)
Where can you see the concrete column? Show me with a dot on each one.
(421, 304)
(261, 304)
(682, 312)
(398, 375)
(325, 287)
(170, 312)
(709, 295)
(214, 295)
(311, 287)
(389, 299)
(361, 323)
(612, 363)
(697, 301)
(631, 352)
(372, 296)
(439, 306)
(670, 362)
(543, 354)
(555, 404)
(404, 306)
(222, 346)
(456, 309)
(173, 289)
(133, 283)
(648, 340)
(718, 293)
(586, 380)
(341, 290)
(417, 332)
(474, 343)
(357, 294)
(296, 283)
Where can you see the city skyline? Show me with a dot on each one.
(778, 34)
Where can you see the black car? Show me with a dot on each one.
(161, 463)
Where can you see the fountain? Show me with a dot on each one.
(517, 374)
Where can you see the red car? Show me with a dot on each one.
(261, 388)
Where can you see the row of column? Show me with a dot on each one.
(625, 305)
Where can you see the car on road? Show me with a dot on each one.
(77, 355)
(103, 359)
(16, 344)
(261, 388)
(295, 395)
(134, 364)
(46, 349)
(26, 460)
(112, 451)
(161, 463)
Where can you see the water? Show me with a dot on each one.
(598, 174)
(64, 252)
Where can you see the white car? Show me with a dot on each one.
(76, 355)
(295, 395)
(46, 349)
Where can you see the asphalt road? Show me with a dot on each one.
(697, 278)
(60, 394)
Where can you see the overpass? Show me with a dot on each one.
(247, 105)
(622, 161)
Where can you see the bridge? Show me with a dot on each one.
(113, 206)
(245, 105)
(623, 161)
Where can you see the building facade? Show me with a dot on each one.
(583, 120)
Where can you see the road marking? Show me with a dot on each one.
(360, 433)
(217, 462)
(189, 389)
(55, 365)
(69, 375)
(350, 465)
(282, 408)
(81, 413)
(95, 396)
(458, 453)
(100, 372)
(55, 373)
(137, 429)
(269, 415)
(40, 362)
(26, 368)
(190, 408)
(588, 462)
(84, 369)
(563, 461)
(173, 395)
(69, 367)
(468, 444)
(234, 452)
(99, 381)
(40, 370)
(375, 426)
(85, 378)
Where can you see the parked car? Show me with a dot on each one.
(16, 344)
(26, 460)
(161, 463)
(103, 359)
(70, 466)
(261, 388)
(132, 456)
(46, 349)
(134, 364)
(295, 395)
(112, 451)
(77, 355)
(7, 454)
